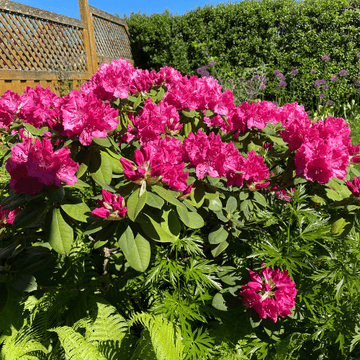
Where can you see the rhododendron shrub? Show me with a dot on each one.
(204, 193)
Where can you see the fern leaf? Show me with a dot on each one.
(165, 337)
(144, 349)
(19, 344)
(108, 325)
(75, 346)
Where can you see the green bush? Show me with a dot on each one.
(285, 34)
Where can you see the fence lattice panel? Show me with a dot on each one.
(29, 43)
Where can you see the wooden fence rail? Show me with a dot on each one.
(41, 47)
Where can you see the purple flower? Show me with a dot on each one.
(348, 95)
(358, 90)
(312, 71)
(358, 74)
(262, 87)
(203, 71)
(334, 78)
(265, 81)
(322, 95)
(230, 80)
(325, 87)
(343, 72)
(255, 77)
(330, 103)
(240, 79)
(358, 55)
(249, 82)
(275, 103)
(211, 63)
(319, 83)
(294, 72)
(357, 82)
(325, 58)
(282, 84)
(277, 72)
(309, 112)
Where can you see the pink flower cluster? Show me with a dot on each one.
(271, 295)
(112, 207)
(34, 164)
(160, 159)
(37, 106)
(7, 216)
(87, 116)
(153, 120)
(209, 155)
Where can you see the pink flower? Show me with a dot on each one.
(39, 106)
(7, 216)
(210, 155)
(271, 295)
(113, 80)
(87, 116)
(160, 159)
(112, 207)
(321, 160)
(9, 107)
(34, 164)
(354, 186)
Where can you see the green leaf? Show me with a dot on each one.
(339, 226)
(218, 234)
(104, 142)
(100, 243)
(75, 346)
(333, 195)
(318, 200)
(103, 172)
(215, 203)
(167, 195)
(81, 170)
(77, 211)
(61, 234)
(29, 215)
(162, 229)
(219, 302)
(277, 140)
(231, 204)
(183, 214)
(26, 283)
(135, 203)
(34, 131)
(259, 198)
(219, 249)
(136, 251)
(154, 200)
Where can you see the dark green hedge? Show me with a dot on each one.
(286, 34)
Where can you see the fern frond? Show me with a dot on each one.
(21, 343)
(75, 346)
(165, 337)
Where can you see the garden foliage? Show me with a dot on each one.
(286, 35)
(146, 216)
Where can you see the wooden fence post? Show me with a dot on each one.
(89, 36)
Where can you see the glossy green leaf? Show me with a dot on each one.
(135, 203)
(167, 195)
(136, 250)
(231, 204)
(154, 200)
(79, 211)
(29, 215)
(219, 249)
(218, 234)
(61, 233)
(104, 142)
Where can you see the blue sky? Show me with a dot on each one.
(71, 7)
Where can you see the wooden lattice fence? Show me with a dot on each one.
(41, 47)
